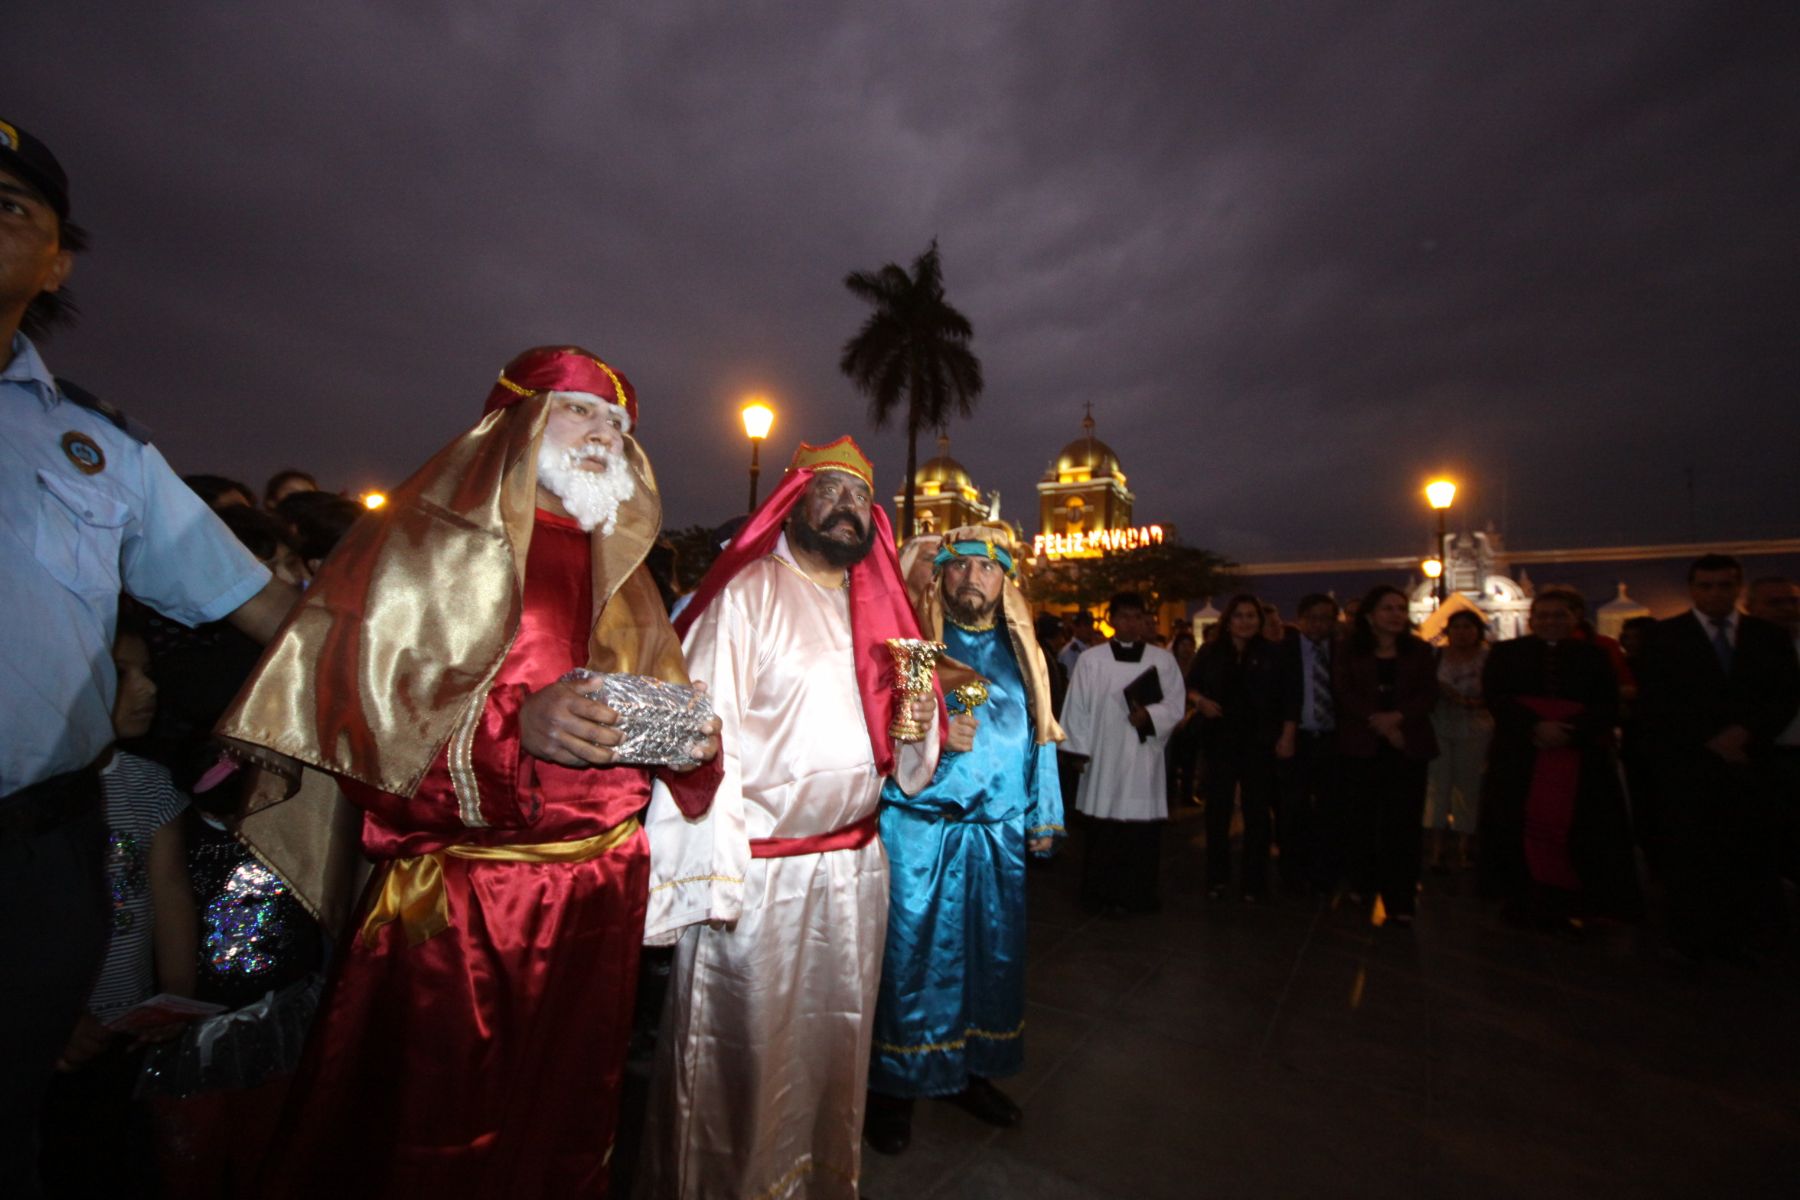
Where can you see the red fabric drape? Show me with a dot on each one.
(1550, 804)
(879, 608)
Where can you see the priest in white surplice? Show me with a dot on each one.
(779, 893)
(1122, 789)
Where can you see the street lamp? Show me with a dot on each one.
(1440, 493)
(758, 417)
(373, 500)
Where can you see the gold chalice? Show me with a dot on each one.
(914, 661)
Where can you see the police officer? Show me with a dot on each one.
(87, 510)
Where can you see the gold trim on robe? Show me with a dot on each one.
(393, 648)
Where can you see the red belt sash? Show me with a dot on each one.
(850, 837)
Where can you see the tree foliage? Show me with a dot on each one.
(912, 352)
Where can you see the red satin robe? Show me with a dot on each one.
(487, 1060)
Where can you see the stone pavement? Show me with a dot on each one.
(1289, 1049)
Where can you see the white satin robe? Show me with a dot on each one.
(764, 1054)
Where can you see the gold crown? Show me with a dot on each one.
(842, 455)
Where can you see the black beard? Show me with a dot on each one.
(835, 553)
(964, 613)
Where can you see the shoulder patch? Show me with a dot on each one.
(76, 394)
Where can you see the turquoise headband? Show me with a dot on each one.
(986, 550)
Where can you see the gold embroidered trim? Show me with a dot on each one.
(514, 388)
(699, 879)
(806, 1166)
(461, 761)
(959, 1044)
(1047, 829)
(618, 388)
(971, 628)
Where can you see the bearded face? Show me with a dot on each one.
(972, 587)
(581, 460)
(833, 519)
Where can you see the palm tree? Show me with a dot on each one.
(914, 344)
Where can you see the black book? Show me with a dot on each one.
(1142, 692)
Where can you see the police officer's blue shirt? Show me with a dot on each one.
(86, 512)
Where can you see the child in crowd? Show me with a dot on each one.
(216, 1091)
(95, 1141)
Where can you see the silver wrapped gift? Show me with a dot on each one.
(660, 721)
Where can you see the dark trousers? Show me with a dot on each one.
(1249, 774)
(1120, 865)
(1384, 806)
(1786, 767)
(1722, 854)
(98, 1141)
(53, 931)
(1312, 818)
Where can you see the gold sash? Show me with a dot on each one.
(412, 889)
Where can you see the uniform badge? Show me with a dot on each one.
(84, 452)
(9, 137)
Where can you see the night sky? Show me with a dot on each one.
(1298, 256)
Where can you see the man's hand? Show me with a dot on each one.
(1387, 725)
(1551, 735)
(1209, 708)
(560, 725)
(707, 748)
(1140, 718)
(86, 1041)
(962, 733)
(1731, 743)
(1040, 845)
(923, 709)
(1289, 742)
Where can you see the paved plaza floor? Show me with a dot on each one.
(1289, 1049)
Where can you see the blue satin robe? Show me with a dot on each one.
(952, 997)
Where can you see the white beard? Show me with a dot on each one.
(592, 497)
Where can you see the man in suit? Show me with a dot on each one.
(1311, 834)
(1777, 600)
(1717, 688)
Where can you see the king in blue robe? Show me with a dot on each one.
(950, 1013)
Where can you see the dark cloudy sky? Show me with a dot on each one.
(1297, 255)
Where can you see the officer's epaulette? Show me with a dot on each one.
(76, 394)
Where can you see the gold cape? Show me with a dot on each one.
(928, 602)
(389, 655)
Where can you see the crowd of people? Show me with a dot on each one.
(329, 867)
(1358, 757)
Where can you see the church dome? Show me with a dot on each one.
(1087, 457)
(943, 475)
(944, 471)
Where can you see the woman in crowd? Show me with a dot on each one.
(1556, 840)
(1182, 753)
(1386, 685)
(1462, 724)
(1235, 687)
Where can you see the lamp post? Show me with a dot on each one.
(758, 417)
(1434, 571)
(1440, 493)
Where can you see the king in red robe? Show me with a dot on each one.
(472, 1042)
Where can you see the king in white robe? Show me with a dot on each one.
(764, 1054)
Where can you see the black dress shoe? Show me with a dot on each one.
(887, 1123)
(987, 1103)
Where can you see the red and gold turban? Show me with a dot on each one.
(561, 369)
(842, 455)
